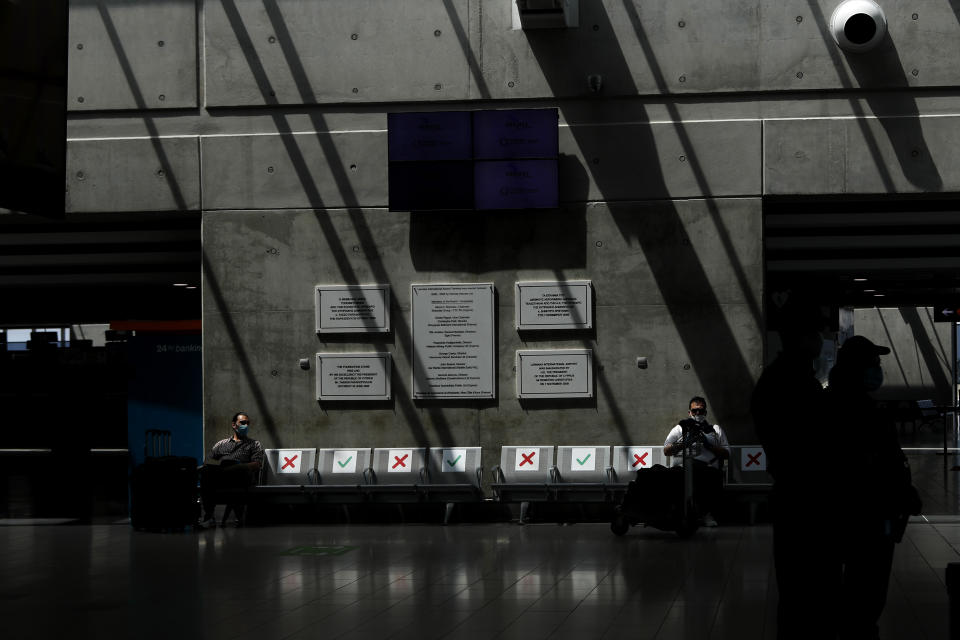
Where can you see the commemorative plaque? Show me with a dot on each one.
(559, 373)
(453, 341)
(353, 308)
(353, 376)
(554, 305)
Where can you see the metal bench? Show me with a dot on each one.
(453, 475)
(525, 474)
(629, 459)
(395, 474)
(582, 474)
(287, 474)
(747, 478)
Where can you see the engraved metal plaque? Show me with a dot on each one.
(560, 373)
(353, 309)
(453, 340)
(353, 376)
(554, 305)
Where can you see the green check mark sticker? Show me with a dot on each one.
(454, 462)
(584, 461)
(345, 462)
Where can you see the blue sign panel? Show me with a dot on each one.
(165, 391)
(515, 133)
(429, 136)
(516, 184)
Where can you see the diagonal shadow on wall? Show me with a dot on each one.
(141, 103)
(463, 38)
(882, 68)
(212, 286)
(693, 306)
(335, 163)
(937, 363)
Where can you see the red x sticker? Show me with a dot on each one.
(527, 459)
(400, 460)
(638, 457)
(753, 459)
(289, 461)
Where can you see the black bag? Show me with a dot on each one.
(164, 488)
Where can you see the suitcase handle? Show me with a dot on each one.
(158, 443)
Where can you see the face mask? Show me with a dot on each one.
(872, 378)
(242, 429)
(700, 418)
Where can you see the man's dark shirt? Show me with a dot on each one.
(877, 485)
(244, 450)
(788, 414)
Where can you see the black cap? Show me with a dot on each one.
(858, 351)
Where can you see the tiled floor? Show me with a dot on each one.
(425, 581)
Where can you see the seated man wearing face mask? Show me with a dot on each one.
(709, 449)
(872, 496)
(240, 458)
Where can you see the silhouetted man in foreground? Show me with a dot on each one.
(789, 417)
(874, 488)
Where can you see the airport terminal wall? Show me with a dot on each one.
(676, 120)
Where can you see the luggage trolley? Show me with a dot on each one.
(662, 497)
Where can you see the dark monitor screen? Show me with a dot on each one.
(424, 186)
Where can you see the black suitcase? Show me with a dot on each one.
(656, 498)
(164, 488)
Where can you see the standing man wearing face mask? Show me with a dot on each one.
(709, 448)
(875, 493)
(240, 458)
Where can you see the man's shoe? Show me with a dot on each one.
(709, 520)
(208, 523)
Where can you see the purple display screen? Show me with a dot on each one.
(515, 184)
(429, 136)
(515, 133)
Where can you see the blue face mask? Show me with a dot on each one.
(242, 429)
(872, 378)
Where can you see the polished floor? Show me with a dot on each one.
(426, 581)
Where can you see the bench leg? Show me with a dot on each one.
(448, 514)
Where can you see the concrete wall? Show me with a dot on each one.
(666, 287)
(270, 117)
(919, 366)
